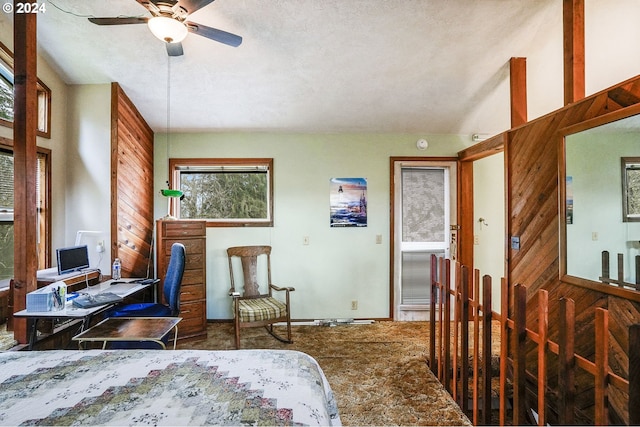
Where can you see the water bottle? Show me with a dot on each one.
(116, 270)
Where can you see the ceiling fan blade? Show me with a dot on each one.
(214, 34)
(174, 49)
(192, 5)
(119, 21)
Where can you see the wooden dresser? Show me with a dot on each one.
(193, 295)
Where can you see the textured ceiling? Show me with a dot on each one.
(390, 66)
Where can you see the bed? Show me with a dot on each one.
(180, 387)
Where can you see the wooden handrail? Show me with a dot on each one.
(515, 336)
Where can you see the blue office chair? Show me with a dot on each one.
(171, 288)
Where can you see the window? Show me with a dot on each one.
(630, 189)
(6, 96)
(6, 209)
(225, 192)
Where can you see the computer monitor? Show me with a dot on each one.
(72, 259)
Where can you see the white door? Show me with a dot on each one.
(424, 212)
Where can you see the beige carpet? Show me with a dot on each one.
(6, 338)
(378, 372)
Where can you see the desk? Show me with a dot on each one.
(131, 329)
(124, 288)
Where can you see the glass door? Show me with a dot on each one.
(424, 208)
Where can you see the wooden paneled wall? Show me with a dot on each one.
(131, 186)
(532, 183)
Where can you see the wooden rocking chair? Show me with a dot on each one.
(254, 307)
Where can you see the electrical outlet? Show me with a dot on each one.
(476, 239)
(354, 304)
(100, 247)
(378, 239)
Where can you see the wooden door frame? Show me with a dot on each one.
(392, 183)
(466, 158)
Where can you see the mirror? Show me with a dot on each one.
(600, 200)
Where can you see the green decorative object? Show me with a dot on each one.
(169, 193)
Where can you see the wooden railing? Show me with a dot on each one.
(606, 272)
(454, 308)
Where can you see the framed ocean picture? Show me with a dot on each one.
(348, 202)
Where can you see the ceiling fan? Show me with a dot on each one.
(169, 23)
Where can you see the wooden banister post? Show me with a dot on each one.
(519, 354)
(432, 314)
(464, 339)
(566, 362)
(543, 329)
(476, 313)
(486, 349)
(605, 266)
(447, 325)
(504, 348)
(602, 367)
(634, 375)
(620, 270)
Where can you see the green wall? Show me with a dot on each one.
(340, 264)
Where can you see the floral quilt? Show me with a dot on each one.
(164, 387)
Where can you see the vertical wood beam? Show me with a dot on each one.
(465, 214)
(634, 375)
(519, 354)
(602, 368)
(518, 84)
(432, 314)
(504, 349)
(566, 362)
(464, 338)
(573, 28)
(446, 323)
(25, 124)
(543, 332)
(486, 349)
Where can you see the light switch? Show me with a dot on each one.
(515, 243)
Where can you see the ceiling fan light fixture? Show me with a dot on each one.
(167, 29)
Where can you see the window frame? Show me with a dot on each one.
(44, 98)
(176, 165)
(44, 203)
(625, 163)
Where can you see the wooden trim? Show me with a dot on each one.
(573, 30)
(518, 85)
(484, 149)
(175, 163)
(7, 144)
(25, 158)
(465, 214)
(114, 171)
(392, 234)
(132, 224)
(392, 161)
(466, 157)
(7, 56)
(599, 120)
(562, 261)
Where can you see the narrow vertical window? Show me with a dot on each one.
(6, 96)
(7, 210)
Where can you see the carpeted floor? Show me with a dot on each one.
(378, 372)
(6, 338)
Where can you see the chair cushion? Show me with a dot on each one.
(255, 310)
(145, 309)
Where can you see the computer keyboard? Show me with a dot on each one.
(88, 301)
